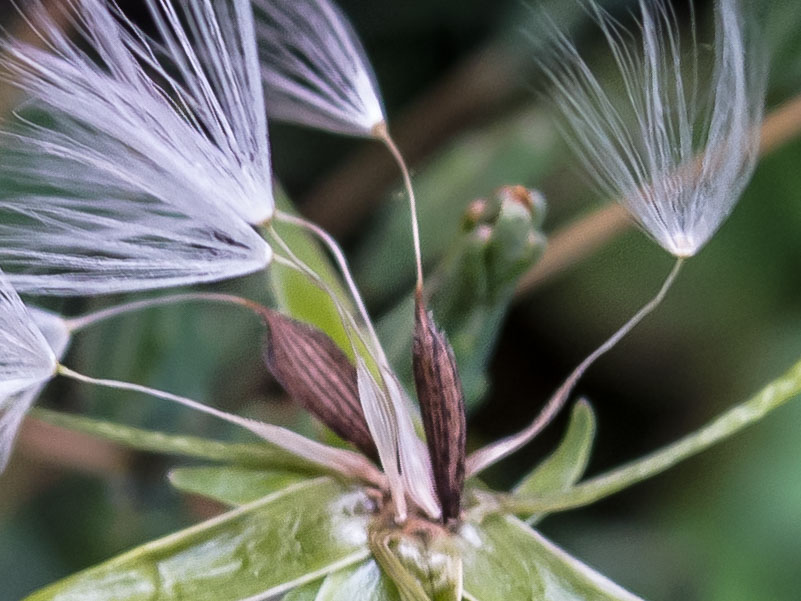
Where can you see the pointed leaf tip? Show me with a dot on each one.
(318, 376)
(439, 390)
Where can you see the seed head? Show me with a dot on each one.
(318, 375)
(31, 341)
(314, 67)
(149, 158)
(679, 145)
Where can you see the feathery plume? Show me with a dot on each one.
(103, 244)
(677, 157)
(314, 68)
(152, 157)
(31, 341)
(316, 73)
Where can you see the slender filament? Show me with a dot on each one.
(382, 133)
(89, 319)
(496, 451)
(342, 262)
(292, 261)
(341, 461)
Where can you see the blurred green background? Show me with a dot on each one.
(461, 90)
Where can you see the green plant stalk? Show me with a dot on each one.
(246, 454)
(774, 395)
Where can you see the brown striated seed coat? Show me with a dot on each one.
(439, 391)
(318, 376)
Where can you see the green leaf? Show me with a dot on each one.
(230, 484)
(253, 455)
(364, 582)
(306, 592)
(504, 559)
(563, 468)
(259, 550)
(472, 287)
(774, 395)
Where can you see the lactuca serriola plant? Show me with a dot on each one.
(204, 79)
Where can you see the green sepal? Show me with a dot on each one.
(567, 464)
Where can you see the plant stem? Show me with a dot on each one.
(774, 395)
(83, 321)
(382, 133)
(494, 452)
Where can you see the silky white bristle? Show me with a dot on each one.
(150, 159)
(314, 68)
(67, 246)
(676, 156)
(31, 341)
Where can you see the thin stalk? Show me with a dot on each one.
(494, 452)
(382, 133)
(89, 319)
(294, 262)
(347, 463)
(773, 396)
(342, 262)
